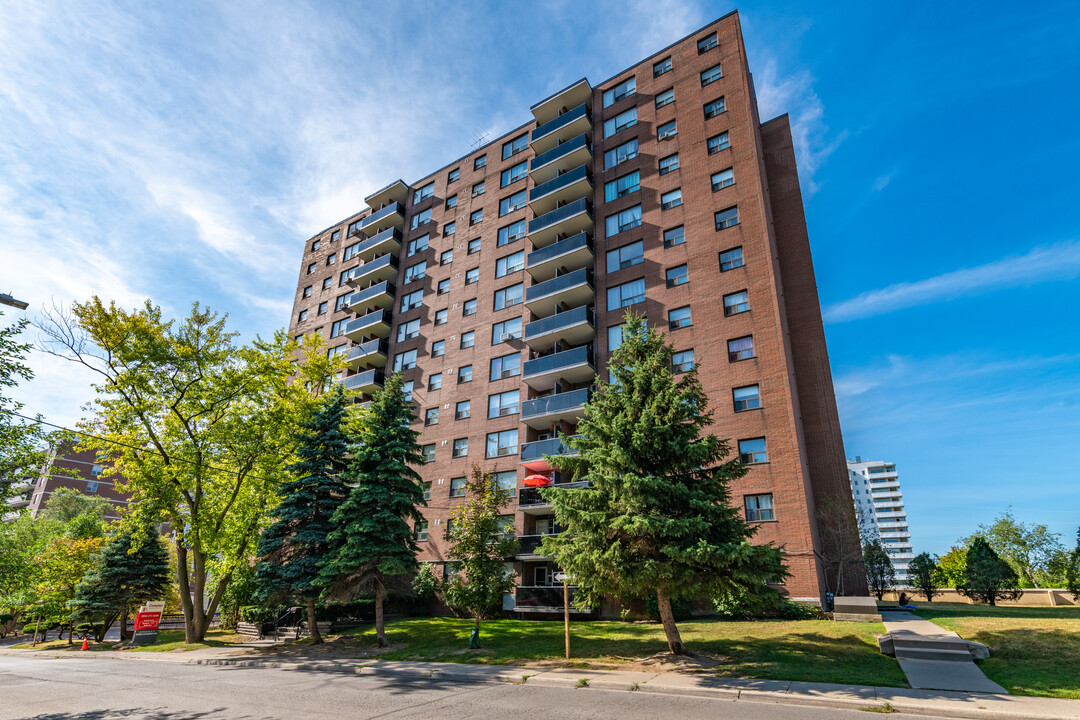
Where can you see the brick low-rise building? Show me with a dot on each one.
(79, 470)
(497, 285)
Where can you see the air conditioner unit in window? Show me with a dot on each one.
(506, 336)
(507, 411)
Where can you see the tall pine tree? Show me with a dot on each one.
(657, 517)
(373, 539)
(291, 549)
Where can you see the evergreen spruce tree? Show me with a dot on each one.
(657, 517)
(880, 574)
(130, 570)
(291, 549)
(987, 577)
(925, 575)
(373, 540)
(1072, 569)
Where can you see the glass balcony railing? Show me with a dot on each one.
(558, 361)
(389, 240)
(366, 350)
(581, 111)
(547, 220)
(374, 323)
(559, 284)
(530, 544)
(558, 183)
(538, 449)
(383, 218)
(544, 597)
(560, 151)
(360, 297)
(385, 266)
(559, 249)
(560, 322)
(366, 382)
(554, 404)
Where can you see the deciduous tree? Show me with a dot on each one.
(23, 443)
(880, 574)
(63, 563)
(925, 575)
(987, 577)
(951, 566)
(1030, 549)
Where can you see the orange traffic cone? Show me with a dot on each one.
(85, 644)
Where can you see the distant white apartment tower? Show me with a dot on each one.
(879, 505)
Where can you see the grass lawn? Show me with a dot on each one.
(1033, 650)
(810, 650)
(167, 641)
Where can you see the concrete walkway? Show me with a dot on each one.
(934, 658)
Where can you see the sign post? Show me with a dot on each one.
(561, 577)
(147, 620)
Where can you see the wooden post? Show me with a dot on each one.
(566, 614)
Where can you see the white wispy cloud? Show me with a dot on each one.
(1042, 264)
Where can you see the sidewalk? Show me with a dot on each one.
(934, 658)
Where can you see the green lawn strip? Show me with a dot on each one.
(1033, 650)
(167, 641)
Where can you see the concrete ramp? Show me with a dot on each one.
(934, 658)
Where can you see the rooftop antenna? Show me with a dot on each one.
(480, 140)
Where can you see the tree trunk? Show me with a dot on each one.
(37, 626)
(674, 640)
(313, 626)
(71, 629)
(183, 580)
(380, 594)
(124, 637)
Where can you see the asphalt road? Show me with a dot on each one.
(103, 689)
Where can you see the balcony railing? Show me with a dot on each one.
(374, 323)
(559, 249)
(544, 597)
(366, 350)
(573, 326)
(383, 218)
(538, 449)
(389, 240)
(385, 266)
(533, 496)
(361, 297)
(581, 111)
(366, 382)
(558, 183)
(557, 286)
(553, 404)
(557, 216)
(530, 544)
(559, 151)
(558, 361)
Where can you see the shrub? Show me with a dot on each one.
(765, 603)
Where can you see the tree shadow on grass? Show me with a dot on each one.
(1032, 661)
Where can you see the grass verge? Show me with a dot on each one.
(167, 641)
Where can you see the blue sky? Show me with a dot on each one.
(185, 152)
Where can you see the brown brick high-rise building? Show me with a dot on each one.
(497, 285)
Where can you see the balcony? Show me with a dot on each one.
(396, 192)
(388, 241)
(568, 220)
(566, 187)
(529, 547)
(540, 413)
(373, 352)
(571, 290)
(534, 454)
(572, 253)
(574, 366)
(558, 129)
(366, 382)
(374, 297)
(392, 215)
(378, 270)
(573, 327)
(532, 502)
(545, 599)
(569, 97)
(374, 324)
(561, 158)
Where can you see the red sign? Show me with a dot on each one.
(147, 620)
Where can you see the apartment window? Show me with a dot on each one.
(347, 253)
(461, 412)
(661, 67)
(731, 259)
(417, 245)
(327, 283)
(315, 245)
(501, 444)
(506, 330)
(503, 404)
(509, 296)
(513, 174)
(441, 316)
(406, 390)
(682, 361)
(620, 187)
(513, 147)
(510, 264)
(479, 162)
(707, 43)
(746, 398)
(451, 202)
(469, 308)
(626, 294)
(422, 526)
(91, 486)
(478, 189)
(620, 122)
(457, 489)
(312, 267)
(723, 179)
(428, 452)
(427, 492)
(472, 276)
(622, 221)
(740, 348)
(412, 300)
(714, 108)
(512, 203)
(423, 193)
(752, 451)
(674, 236)
(409, 330)
(438, 348)
(307, 292)
(679, 318)
(405, 360)
(671, 199)
(468, 339)
(431, 416)
(473, 247)
(443, 287)
(354, 228)
(421, 218)
(677, 276)
(512, 233)
(718, 142)
(341, 302)
(464, 374)
(302, 316)
(461, 445)
(711, 75)
(476, 216)
(626, 256)
(666, 130)
(727, 218)
(669, 163)
(453, 175)
(736, 303)
(615, 336)
(335, 236)
(505, 366)
(621, 153)
(449, 229)
(505, 480)
(434, 381)
(624, 89)
(759, 507)
(343, 279)
(337, 328)
(415, 272)
(446, 257)
(665, 98)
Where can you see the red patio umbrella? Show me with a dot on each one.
(537, 481)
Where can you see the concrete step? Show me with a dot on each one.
(910, 653)
(921, 644)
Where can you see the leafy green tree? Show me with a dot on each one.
(66, 504)
(23, 541)
(657, 516)
(951, 566)
(1072, 569)
(62, 565)
(291, 549)
(131, 569)
(925, 575)
(987, 577)
(481, 540)
(1030, 549)
(23, 443)
(373, 539)
(880, 574)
